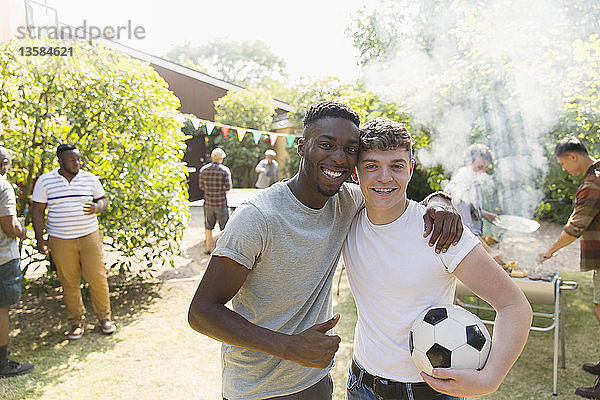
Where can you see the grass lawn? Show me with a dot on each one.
(155, 355)
(531, 376)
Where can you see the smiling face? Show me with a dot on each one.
(383, 176)
(329, 152)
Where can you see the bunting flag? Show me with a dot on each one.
(241, 132)
(225, 129)
(273, 137)
(256, 135)
(209, 126)
(290, 140)
(181, 118)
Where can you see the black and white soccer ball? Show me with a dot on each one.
(448, 336)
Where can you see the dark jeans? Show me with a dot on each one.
(322, 390)
(355, 390)
(10, 283)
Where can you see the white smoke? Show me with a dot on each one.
(506, 82)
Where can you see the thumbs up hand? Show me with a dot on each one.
(313, 347)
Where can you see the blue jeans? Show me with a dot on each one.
(10, 283)
(355, 390)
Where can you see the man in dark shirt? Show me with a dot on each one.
(215, 181)
(583, 223)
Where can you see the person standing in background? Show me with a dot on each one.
(215, 182)
(10, 269)
(466, 187)
(584, 222)
(73, 198)
(268, 170)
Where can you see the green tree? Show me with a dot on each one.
(581, 118)
(122, 117)
(248, 63)
(251, 109)
(478, 72)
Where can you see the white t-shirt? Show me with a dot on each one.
(65, 199)
(395, 275)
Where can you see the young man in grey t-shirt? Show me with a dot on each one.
(275, 261)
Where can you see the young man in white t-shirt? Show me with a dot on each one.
(395, 275)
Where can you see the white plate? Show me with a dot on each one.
(516, 223)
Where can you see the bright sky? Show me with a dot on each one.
(308, 34)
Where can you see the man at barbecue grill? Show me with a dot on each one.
(465, 188)
(583, 223)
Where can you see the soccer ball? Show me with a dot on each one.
(448, 336)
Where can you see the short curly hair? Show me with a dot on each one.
(63, 148)
(384, 134)
(330, 109)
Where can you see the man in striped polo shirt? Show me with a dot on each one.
(215, 181)
(583, 223)
(73, 197)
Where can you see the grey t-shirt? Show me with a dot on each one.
(292, 252)
(270, 177)
(9, 248)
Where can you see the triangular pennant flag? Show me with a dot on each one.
(273, 137)
(196, 123)
(225, 130)
(241, 132)
(290, 140)
(256, 135)
(209, 127)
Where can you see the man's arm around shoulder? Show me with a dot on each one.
(208, 315)
(442, 221)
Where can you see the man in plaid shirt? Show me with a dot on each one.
(215, 181)
(584, 222)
